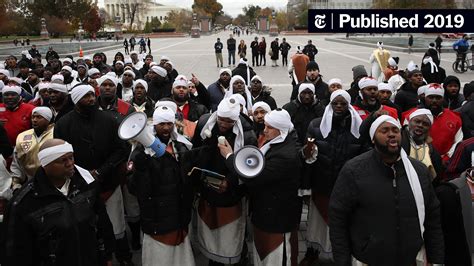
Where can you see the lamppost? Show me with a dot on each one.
(195, 30)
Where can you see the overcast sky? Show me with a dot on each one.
(231, 7)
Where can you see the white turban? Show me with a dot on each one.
(380, 45)
(421, 90)
(128, 60)
(78, 92)
(412, 66)
(241, 100)
(169, 104)
(263, 105)
(229, 108)
(92, 71)
(141, 82)
(422, 111)
(305, 86)
(15, 89)
(434, 89)
(170, 63)
(159, 70)
(279, 119)
(67, 68)
(5, 72)
(57, 85)
(129, 72)
(385, 87)
(120, 63)
(257, 77)
(380, 120)
(163, 114)
(326, 121)
(230, 91)
(225, 70)
(180, 82)
(43, 111)
(334, 81)
(87, 58)
(44, 85)
(181, 76)
(164, 57)
(108, 76)
(48, 155)
(392, 62)
(367, 82)
(19, 81)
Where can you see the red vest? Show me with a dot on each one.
(364, 113)
(16, 121)
(444, 129)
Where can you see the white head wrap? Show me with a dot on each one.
(120, 63)
(281, 120)
(263, 105)
(385, 87)
(5, 72)
(87, 58)
(412, 66)
(230, 91)
(380, 45)
(412, 176)
(159, 70)
(128, 60)
(227, 108)
(44, 85)
(181, 76)
(19, 81)
(421, 90)
(170, 63)
(68, 60)
(129, 72)
(141, 82)
(48, 155)
(67, 68)
(164, 57)
(326, 121)
(226, 70)
(334, 81)
(434, 89)
(180, 82)
(78, 92)
(169, 104)
(241, 100)
(43, 111)
(109, 76)
(15, 89)
(422, 111)
(367, 82)
(433, 66)
(92, 71)
(257, 77)
(164, 114)
(305, 86)
(392, 62)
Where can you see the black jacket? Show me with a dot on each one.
(203, 96)
(301, 115)
(163, 190)
(333, 152)
(265, 97)
(159, 89)
(284, 48)
(196, 110)
(275, 50)
(218, 47)
(467, 116)
(231, 44)
(254, 47)
(310, 50)
(149, 106)
(452, 101)
(435, 77)
(96, 144)
(68, 107)
(241, 70)
(274, 200)
(44, 227)
(321, 90)
(373, 214)
(209, 158)
(407, 97)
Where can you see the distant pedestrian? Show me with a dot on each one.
(218, 46)
(15, 42)
(27, 41)
(231, 49)
(310, 50)
(274, 51)
(262, 49)
(284, 48)
(125, 45)
(132, 43)
(254, 47)
(242, 49)
(438, 42)
(410, 43)
(148, 42)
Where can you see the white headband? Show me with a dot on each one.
(67, 68)
(43, 111)
(163, 114)
(48, 155)
(422, 111)
(159, 70)
(44, 85)
(141, 82)
(421, 90)
(380, 120)
(129, 72)
(367, 82)
(385, 87)
(15, 89)
(169, 104)
(263, 105)
(78, 92)
(5, 72)
(180, 83)
(279, 119)
(334, 81)
(434, 89)
(109, 76)
(305, 86)
(58, 87)
(225, 70)
(229, 108)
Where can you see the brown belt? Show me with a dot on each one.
(174, 238)
(216, 217)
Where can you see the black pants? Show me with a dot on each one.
(122, 250)
(126, 50)
(284, 59)
(255, 59)
(263, 58)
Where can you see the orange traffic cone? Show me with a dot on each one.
(81, 53)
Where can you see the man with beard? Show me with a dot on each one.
(417, 143)
(58, 218)
(82, 75)
(221, 240)
(156, 179)
(118, 69)
(304, 109)
(313, 76)
(14, 113)
(259, 110)
(11, 66)
(237, 86)
(260, 93)
(407, 96)
(125, 87)
(384, 96)
(383, 208)
(367, 103)
(108, 100)
(25, 156)
(140, 101)
(99, 64)
(59, 100)
(93, 134)
(217, 89)
(137, 63)
(336, 140)
(453, 99)
(68, 81)
(189, 110)
(31, 84)
(446, 129)
(159, 86)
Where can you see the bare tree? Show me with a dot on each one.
(132, 9)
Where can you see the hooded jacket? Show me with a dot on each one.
(452, 101)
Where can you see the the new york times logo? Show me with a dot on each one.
(384, 20)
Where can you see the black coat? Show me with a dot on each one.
(301, 115)
(274, 200)
(196, 110)
(284, 48)
(333, 152)
(203, 96)
(241, 70)
(321, 90)
(68, 107)
(265, 97)
(159, 89)
(42, 223)
(467, 116)
(407, 97)
(96, 144)
(275, 50)
(209, 158)
(163, 190)
(373, 214)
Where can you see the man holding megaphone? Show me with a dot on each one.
(275, 204)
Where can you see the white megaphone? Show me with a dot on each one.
(249, 162)
(134, 126)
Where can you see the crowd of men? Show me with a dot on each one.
(384, 167)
